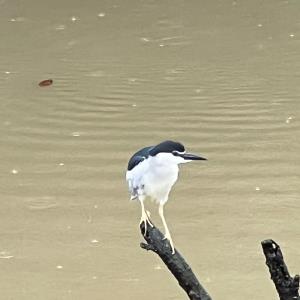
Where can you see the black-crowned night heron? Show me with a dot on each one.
(152, 171)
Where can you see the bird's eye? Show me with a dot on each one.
(175, 153)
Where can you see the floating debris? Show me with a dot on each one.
(14, 171)
(74, 19)
(46, 82)
(60, 27)
(17, 19)
(292, 35)
(257, 188)
(75, 134)
(144, 39)
(59, 267)
(101, 15)
(94, 241)
(5, 255)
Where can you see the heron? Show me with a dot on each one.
(151, 173)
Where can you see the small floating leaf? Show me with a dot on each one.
(46, 82)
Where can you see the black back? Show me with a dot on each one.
(164, 147)
(138, 157)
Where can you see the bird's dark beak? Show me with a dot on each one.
(189, 156)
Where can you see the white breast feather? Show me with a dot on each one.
(154, 177)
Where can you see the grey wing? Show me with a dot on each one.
(135, 170)
(131, 176)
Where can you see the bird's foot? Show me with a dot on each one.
(168, 237)
(145, 219)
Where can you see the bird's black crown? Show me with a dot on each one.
(167, 147)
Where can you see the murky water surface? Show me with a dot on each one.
(220, 76)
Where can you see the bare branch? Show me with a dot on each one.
(286, 286)
(175, 263)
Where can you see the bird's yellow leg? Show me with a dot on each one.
(145, 217)
(167, 232)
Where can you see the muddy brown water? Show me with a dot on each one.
(220, 76)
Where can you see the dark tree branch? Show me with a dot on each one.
(175, 263)
(286, 286)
